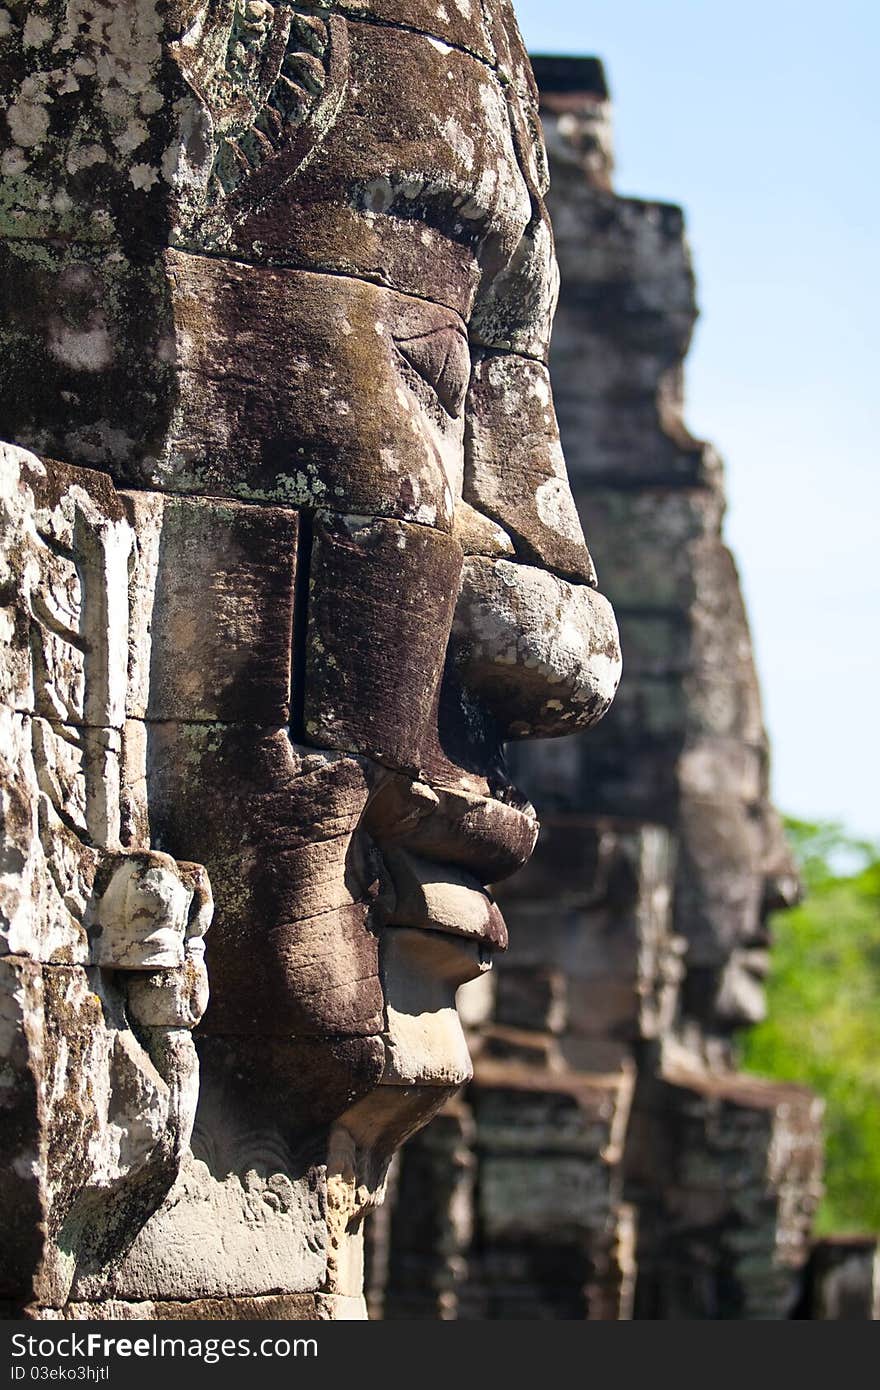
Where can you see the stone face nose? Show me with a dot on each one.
(532, 638)
(514, 469)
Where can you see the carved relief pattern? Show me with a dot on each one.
(272, 72)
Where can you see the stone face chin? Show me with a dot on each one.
(422, 972)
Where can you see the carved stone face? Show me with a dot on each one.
(737, 870)
(360, 566)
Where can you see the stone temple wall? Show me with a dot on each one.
(608, 1160)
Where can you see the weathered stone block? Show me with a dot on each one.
(251, 263)
(377, 581)
(212, 603)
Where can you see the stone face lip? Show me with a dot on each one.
(484, 836)
(438, 898)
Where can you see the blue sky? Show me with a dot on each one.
(763, 121)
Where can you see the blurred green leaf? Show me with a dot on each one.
(823, 1023)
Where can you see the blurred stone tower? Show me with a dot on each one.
(607, 1160)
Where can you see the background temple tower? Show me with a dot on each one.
(608, 1160)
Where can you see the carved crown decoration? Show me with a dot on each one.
(261, 71)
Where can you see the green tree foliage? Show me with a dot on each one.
(823, 1023)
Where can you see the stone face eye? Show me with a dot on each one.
(442, 358)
